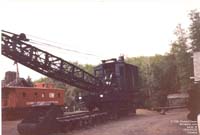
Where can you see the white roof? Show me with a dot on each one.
(178, 95)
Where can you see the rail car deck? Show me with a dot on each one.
(51, 122)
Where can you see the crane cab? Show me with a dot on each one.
(118, 74)
(119, 94)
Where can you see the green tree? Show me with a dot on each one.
(29, 81)
(183, 58)
(195, 30)
(42, 79)
(89, 68)
(158, 77)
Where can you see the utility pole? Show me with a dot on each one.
(17, 70)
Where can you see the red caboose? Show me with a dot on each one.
(17, 101)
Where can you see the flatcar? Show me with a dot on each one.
(18, 101)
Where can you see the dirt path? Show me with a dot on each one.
(144, 123)
(9, 127)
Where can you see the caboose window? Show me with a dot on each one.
(43, 95)
(58, 94)
(23, 94)
(35, 93)
(51, 95)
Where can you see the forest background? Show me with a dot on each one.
(159, 75)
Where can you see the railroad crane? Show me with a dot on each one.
(111, 89)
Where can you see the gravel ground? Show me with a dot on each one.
(144, 123)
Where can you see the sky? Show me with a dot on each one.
(104, 28)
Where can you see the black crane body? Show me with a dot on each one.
(112, 88)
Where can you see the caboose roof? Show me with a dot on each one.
(29, 88)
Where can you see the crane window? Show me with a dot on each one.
(51, 95)
(58, 94)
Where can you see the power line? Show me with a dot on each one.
(75, 51)
(40, 43)
(57, 47)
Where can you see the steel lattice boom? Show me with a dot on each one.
(18, 48)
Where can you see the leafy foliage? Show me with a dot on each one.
(157, 78)
(195, 30)
(29, 81)
(161, 75)
(183, 58)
